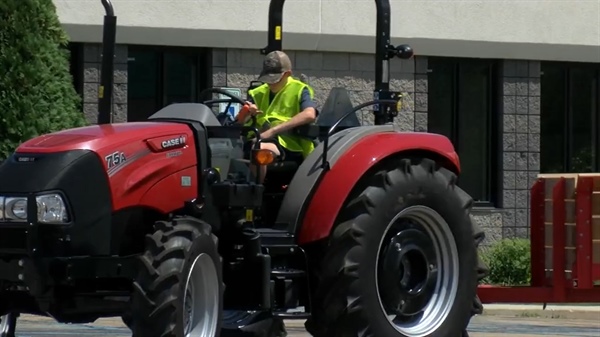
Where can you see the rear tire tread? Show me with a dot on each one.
(335, 314)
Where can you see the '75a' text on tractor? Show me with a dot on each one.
(160, 221)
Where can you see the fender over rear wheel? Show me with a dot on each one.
(179, 291)
(402, 260)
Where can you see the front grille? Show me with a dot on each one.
(13, 239)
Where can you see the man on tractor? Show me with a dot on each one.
(281, 104)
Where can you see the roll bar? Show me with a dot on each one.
(106, 72)
(384, 51)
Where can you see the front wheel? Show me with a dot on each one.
(402, 260)
(8, 324)
(179, 291)
(252, 324)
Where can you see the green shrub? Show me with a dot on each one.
(36, 88)
(509, 261)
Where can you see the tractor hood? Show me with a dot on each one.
(97, 137)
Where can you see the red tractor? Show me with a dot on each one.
(161, 223)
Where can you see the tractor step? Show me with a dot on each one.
(287, 273)
(276, 238)
(284, 287)
(292, 315)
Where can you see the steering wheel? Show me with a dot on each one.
(222, 92)
(231, 99)
(235, 99)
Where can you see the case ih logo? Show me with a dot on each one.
(174, 142)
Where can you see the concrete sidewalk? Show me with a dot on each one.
(588, 312)
(480, 326)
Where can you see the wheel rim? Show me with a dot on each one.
(5, 325)
(201, 298)
(417, 271)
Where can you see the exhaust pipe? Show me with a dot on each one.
(107, 66)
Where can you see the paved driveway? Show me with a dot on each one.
(483, 326)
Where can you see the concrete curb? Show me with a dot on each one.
(574, 312)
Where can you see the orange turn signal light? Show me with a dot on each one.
(263, 157)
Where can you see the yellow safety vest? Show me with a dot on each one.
(285, 105)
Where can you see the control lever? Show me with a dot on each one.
(243, 114)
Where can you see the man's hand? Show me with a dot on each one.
(248, 111)
(253, 109)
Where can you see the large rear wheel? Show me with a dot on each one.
(402, 260)
(179, 292)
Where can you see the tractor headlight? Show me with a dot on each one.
(16, 209)
(13, 209)
(51, 209)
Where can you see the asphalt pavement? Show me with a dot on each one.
(481, 326)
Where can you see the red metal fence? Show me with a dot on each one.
(565, 243)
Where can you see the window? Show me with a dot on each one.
(76, 67)
(569, 117)
(160, 76)
(463, 96)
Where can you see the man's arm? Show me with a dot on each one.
(308, 114)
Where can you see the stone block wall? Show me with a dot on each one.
(91, 82)
(323, 71)
(520, 127)
(521, 143)
(520, 166)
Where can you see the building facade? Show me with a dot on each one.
(514, 85)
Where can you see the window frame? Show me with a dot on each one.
(76, 68)
(493, 128)
(202, 64)
(567, 110)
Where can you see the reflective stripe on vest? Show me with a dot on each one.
(285, 105)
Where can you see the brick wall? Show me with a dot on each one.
(91, 82)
